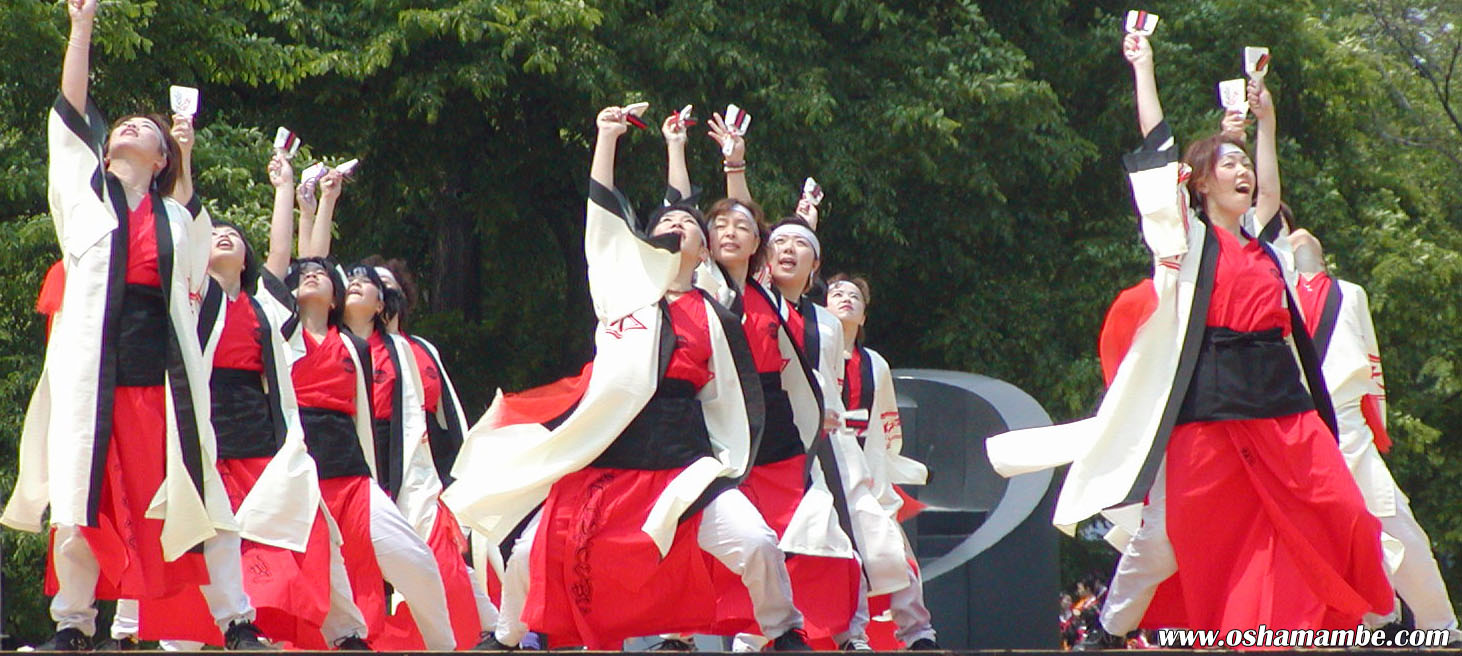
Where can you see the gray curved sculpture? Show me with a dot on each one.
(985, 544)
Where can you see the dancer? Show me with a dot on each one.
(867, 386)
(123, 374)
(637, 481)
(262, 459)
(1235, 422)
(404, 463)
(1338, 316)
(329, 375)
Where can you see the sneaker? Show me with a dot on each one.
(673, 644)
(924, 644)
(855, 644)
(352, 643)
(489, 642)
(244, 636)
(128, 643)
(66, 640)
(792, 640)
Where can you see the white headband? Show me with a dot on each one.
(850, 284)
(799, 231)
(386, 274)
(738, 207)
(1227, 148)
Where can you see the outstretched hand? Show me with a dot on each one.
(807, 212)
(330, 185)
(1233, 125)
(720, 133)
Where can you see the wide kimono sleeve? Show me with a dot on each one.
(75, 177)
(1158, 189)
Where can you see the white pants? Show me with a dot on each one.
(1417, 578)
(409, 566)
(1147, 561)
(732, 530)
(77, 572)
(910, 614)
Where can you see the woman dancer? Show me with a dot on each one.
(124, 374)
(637, 481)
(1234, 423)
(262, 457)
(329, 374)
(404, 464)
(868, 387)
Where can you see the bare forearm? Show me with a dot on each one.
(736, 187)
(324, 223)
(1266, 165)
(307, 228)
(281, 225)
(1149, 108)
(677, 172)
(602, 168)
(76, 67)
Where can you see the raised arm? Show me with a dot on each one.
(330, 187)
(1138, 51)
(734, 164)
(281, 224)
(182, 132)
(611, 124)
(1266, 154)
(677, 174)
(304, 194)
(76, 67)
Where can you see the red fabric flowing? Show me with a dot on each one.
(127, 545)
(598, 579)
(1266, 522)
(542, 404)
(288, 592)
(824, 589)
(348, 499)
(1131, 308)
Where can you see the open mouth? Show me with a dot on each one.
(1244, 188)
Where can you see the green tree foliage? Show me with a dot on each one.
(970, 151)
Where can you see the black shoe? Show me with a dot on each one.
(856, 644)
(128, 643)
(924, 644)
(792, 640)
(352, 643)
(489, 642)
(673, 644)
(66, 640)
(244, 636)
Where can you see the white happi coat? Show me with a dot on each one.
(1114, 455)
(60, 449)
(504, 472)
(280, 509)
(449, 414)
(1352, 366)
(415, 483)
(294, 335)
(883, 440)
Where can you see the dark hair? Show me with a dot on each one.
(862, 284)
(399, 303)
(292, 279)
(249, 279)
(167, 178)
(654, 219)
(726, 206)
(1201, 156)
(1287, 215)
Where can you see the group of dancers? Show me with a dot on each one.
(1236, 452)
(252, 450)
